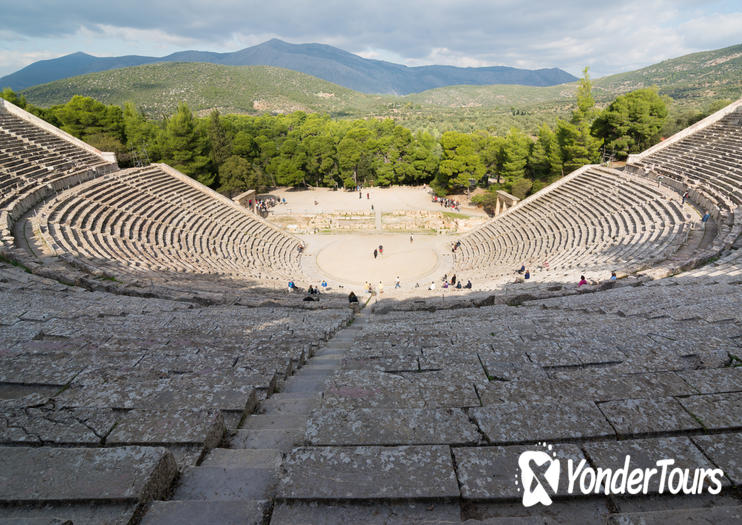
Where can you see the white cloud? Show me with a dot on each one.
(609, 37)
(14, 60)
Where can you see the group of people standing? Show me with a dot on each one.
(447, 203)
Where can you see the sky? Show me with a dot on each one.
(609, 37)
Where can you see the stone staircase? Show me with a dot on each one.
(235, 484)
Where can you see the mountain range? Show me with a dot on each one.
(319, 60)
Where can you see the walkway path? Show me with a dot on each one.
(235, 484)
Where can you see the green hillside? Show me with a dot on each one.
(158, 88)
(693, 81)
(689, 79)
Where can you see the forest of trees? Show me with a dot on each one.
(232, 153)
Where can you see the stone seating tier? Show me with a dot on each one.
(147, 219)
(106, 397)
(598, 219)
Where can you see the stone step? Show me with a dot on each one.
(363, 473)
(365, 426)
(332, 360)
(316, 370)
(225, 484)
(274, 422)
(378, 513)
(281, 439)
(697, 516)
(310, 384)
(117, 474)
(65, 513)
(325, 355)
(197, 512)
(295, 403)
(243, 458)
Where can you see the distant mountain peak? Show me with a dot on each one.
(319, 60)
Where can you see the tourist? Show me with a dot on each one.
(458, 285)
(368, 196)
(360, 196)
(381, 288)
(376, 253)
(613, 276)
(522, 269)
(582, 281)
(411, 238)
(527, 275)
(324, 285)
(445, 284)
(468, 284)
(706, 217)
(291, 286)
(432, 286)
(381, 250)
(396, 282)
(685, 197)
(310, 291)
(352, 298)
(453, 279)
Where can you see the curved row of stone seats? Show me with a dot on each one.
(727, 267)
(37, 160)
(706, 161)
(596, 218)
(105, 397)
(440, 405)
(155, 218)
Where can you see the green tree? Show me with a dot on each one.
(425, 156)
(540, 159)
(632, 122)
(219, 145)
(236, 175)
(288, 166)
(578, 146)
(12, 97)
(353, 156)
(460, 161)
(84, 117)
(185, 146)
(515, 152)
(140, 133)
(491, 151)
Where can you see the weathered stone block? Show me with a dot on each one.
(368, 426)
(643, 416)
(77, 474)
(368, 473)
(492, 473)
(516, 422)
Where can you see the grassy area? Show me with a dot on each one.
(455, 215)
